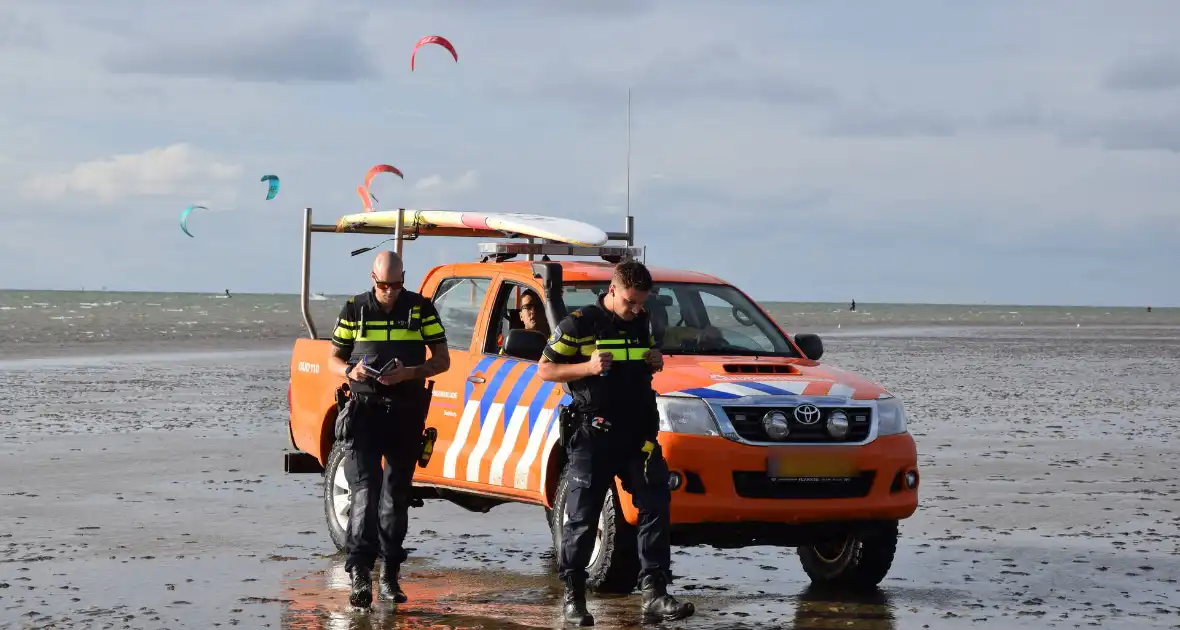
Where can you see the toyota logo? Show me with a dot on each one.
(807, 414)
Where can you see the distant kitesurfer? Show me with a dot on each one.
(853, 307)
(227, 293)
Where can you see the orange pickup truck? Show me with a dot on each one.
(767, 446)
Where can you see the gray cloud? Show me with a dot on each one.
(306, 51)
(1153, 73)
(604, 8)
(874, 123)
(718, 73)
(1126, 134)
(18, 31)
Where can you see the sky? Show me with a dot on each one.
(812, 150)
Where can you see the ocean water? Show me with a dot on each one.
(44, 321)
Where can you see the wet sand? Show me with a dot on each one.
(131, 498)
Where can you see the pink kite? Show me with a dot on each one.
(432, 39)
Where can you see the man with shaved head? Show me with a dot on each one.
(387, 329)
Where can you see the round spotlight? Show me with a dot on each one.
(911, 479)
(776, 426)
(838, 424)
(674, 480)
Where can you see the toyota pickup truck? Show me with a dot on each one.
(766, 444)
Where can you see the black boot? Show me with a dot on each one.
(390, 587)
(574, 609)
(362, 588)
(658, 605)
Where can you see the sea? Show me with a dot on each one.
(34, 323)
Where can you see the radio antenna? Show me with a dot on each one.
(628, 152)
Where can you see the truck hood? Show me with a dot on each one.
(724, 377)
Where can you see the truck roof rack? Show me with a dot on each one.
(495, 251)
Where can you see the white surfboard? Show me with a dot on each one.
(538, 226)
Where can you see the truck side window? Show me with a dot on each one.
(459, 301)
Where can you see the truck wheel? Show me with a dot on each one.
(857, 561)
(337, 496)
(614, 563)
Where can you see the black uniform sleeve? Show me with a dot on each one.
(347, 326)
(432, 329)
(569, 343)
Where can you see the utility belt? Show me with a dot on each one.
(570, 419)
(348, 401)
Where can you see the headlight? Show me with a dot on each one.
(680, 414)
(890, 416)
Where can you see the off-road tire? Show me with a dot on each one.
(862, 562)
(335, 462)
(616, 569)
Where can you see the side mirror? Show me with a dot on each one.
(811, 345)
(550, 276)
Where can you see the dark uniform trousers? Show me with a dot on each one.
(379, 516)
(596, 457)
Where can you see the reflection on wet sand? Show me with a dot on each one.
(454, 599)
(826, 608)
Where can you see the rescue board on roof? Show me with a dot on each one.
(534, 225)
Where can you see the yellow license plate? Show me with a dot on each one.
(802, 466)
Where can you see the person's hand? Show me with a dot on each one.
(397, 375)
(654, 359)
(599, 363)
(357, 374)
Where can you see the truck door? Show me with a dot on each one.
(460, 304)
(508, 429)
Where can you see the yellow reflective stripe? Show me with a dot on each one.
(343, 333)
(611, 342)
(432, 330)
(397, 334)
(625, 354)
(587, 351)
(432, 318)
(347, 324)
(576, 341)
(563, 348)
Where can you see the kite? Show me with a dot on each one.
(380, 168)
(366, 197)
(432, 39)
(274, 185)
(184, 218)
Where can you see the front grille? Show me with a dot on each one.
(757, 485)
(747, 421)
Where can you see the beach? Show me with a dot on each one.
(143, 487)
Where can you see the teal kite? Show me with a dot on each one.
(184, 218)
(274, 185)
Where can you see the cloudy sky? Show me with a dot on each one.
(1007, 151)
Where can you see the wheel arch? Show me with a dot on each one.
(555, 462)
(327, 435)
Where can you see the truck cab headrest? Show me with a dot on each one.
(524, 344)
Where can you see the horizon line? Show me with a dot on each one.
(758, 300)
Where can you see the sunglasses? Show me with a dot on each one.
(388, 286)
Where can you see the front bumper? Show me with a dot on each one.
(725, 482)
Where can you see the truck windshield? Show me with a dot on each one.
(703, 319)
